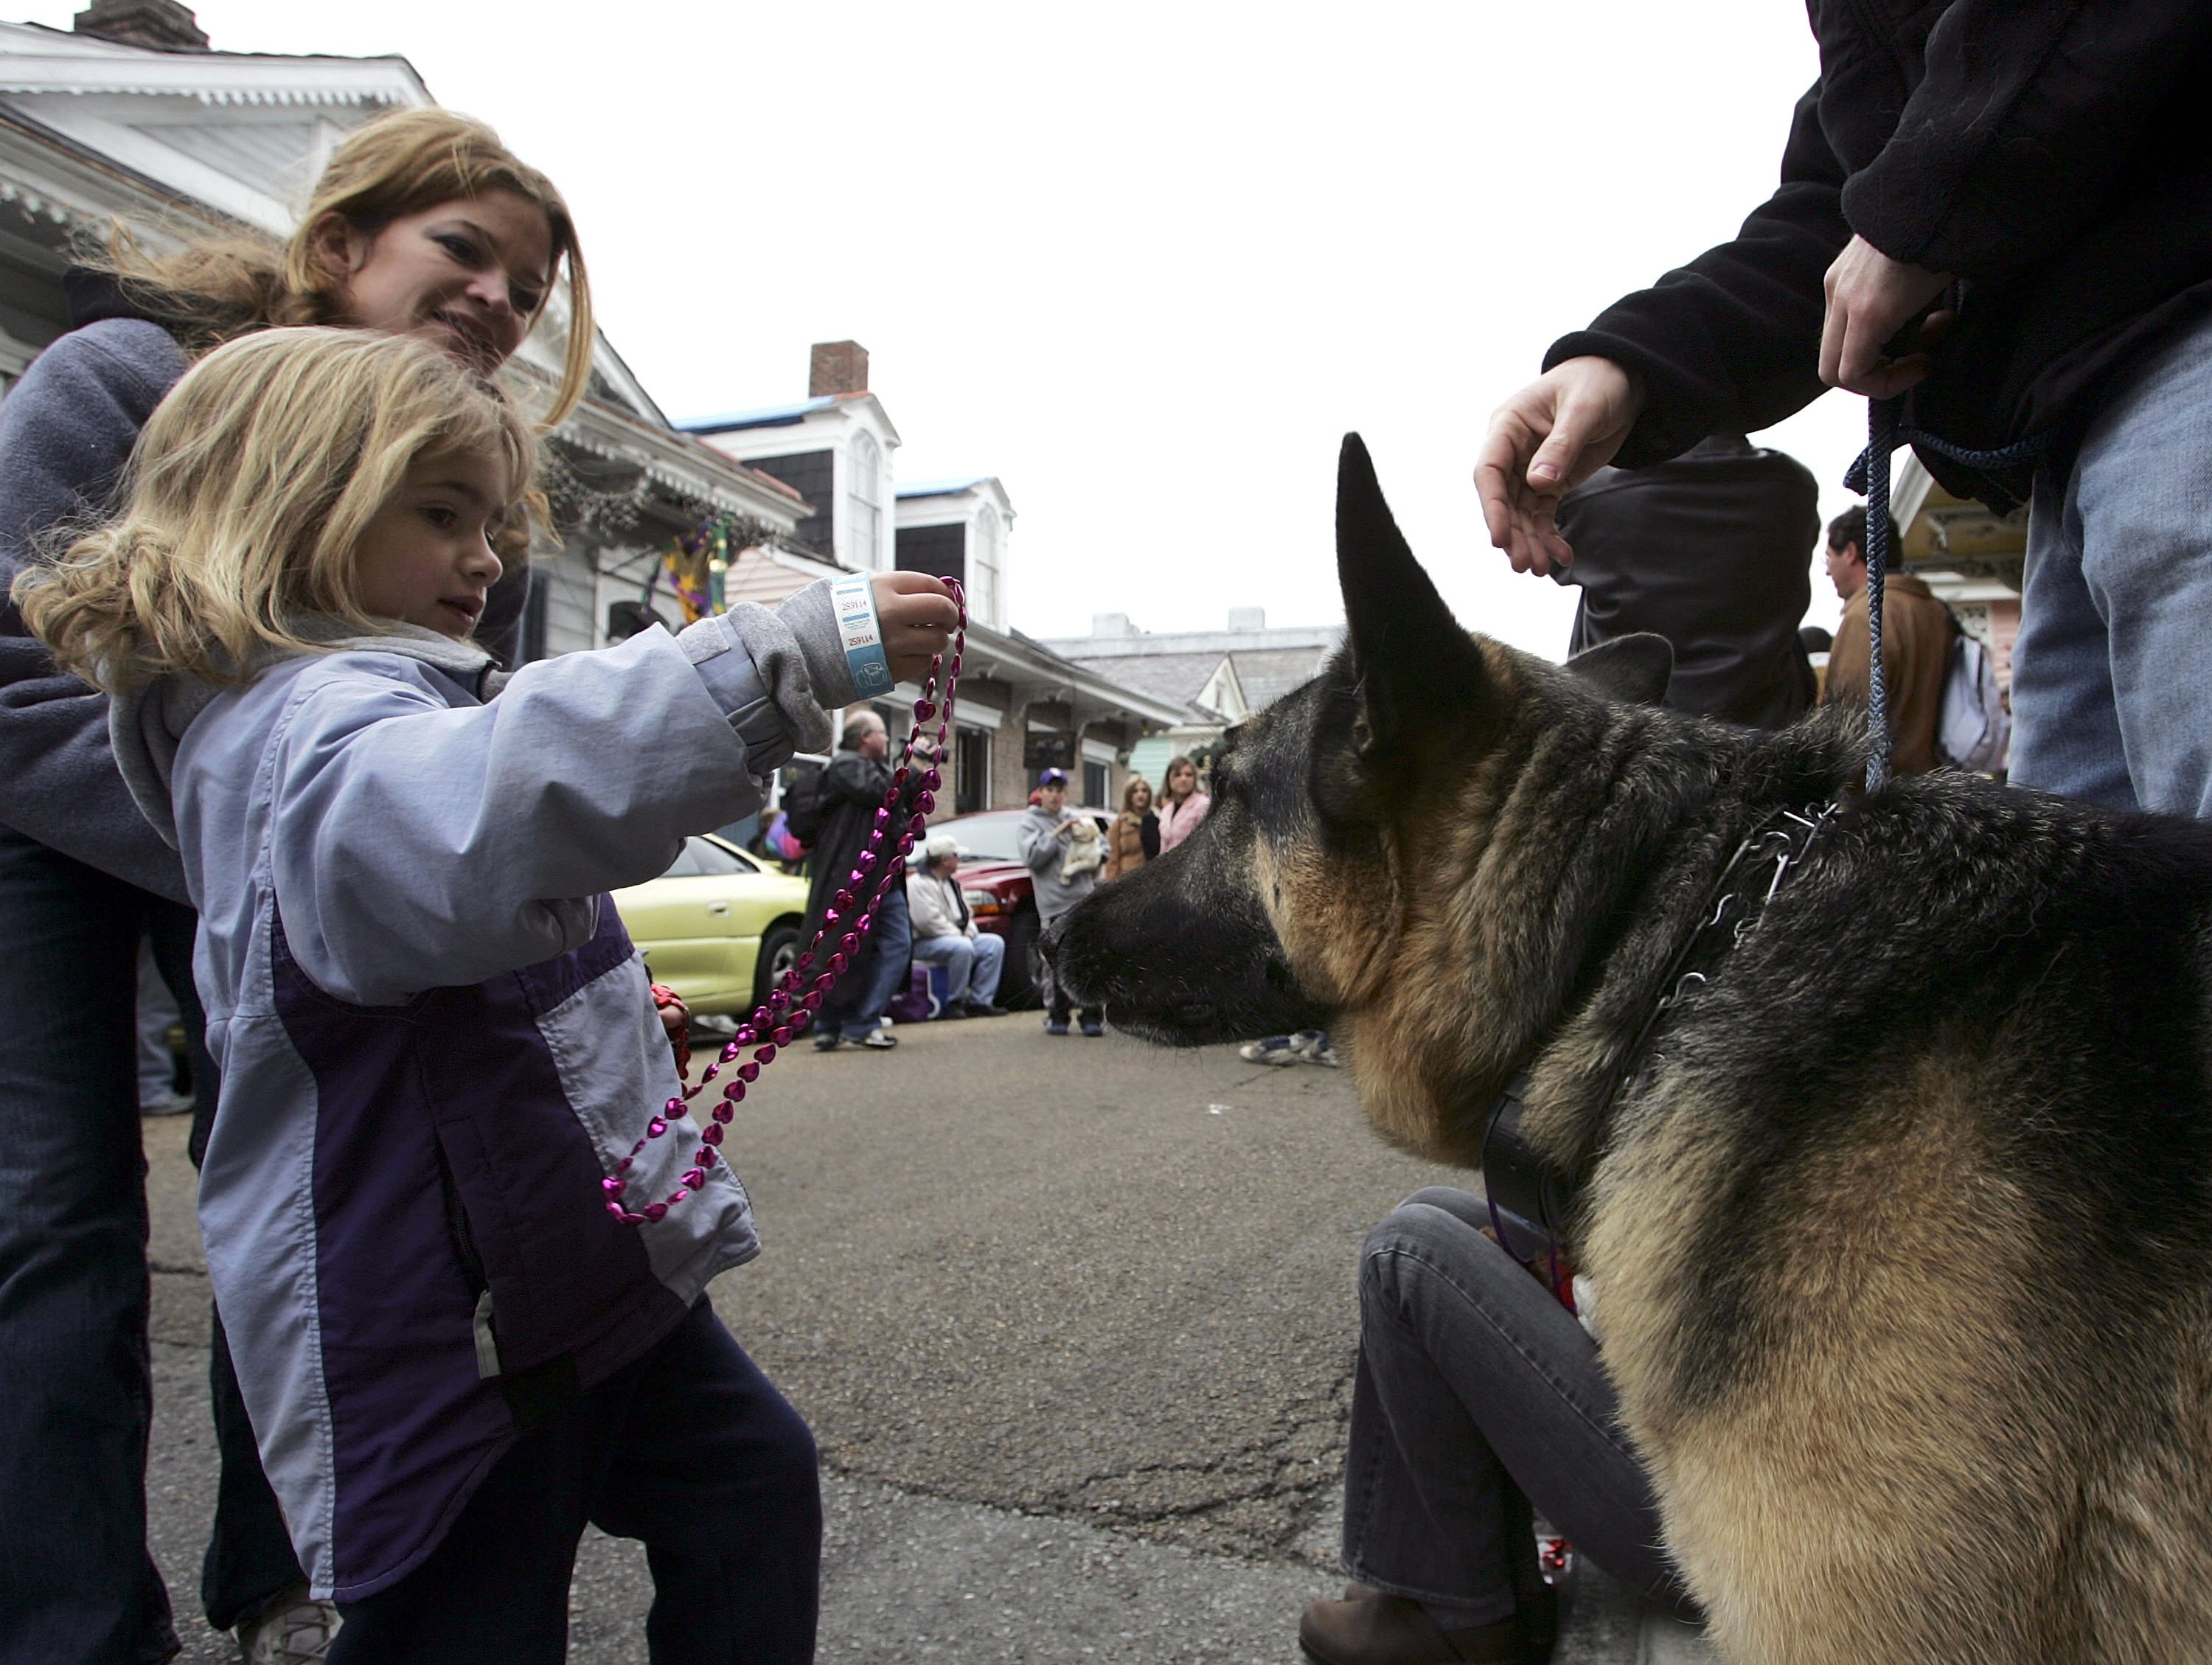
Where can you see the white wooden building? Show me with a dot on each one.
(1023, 706)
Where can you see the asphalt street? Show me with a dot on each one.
(1073, 1320)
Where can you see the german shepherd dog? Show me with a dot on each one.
(1902, 1224)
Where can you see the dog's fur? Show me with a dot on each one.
(1903, 1242)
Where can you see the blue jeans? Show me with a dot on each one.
(1477, 1395)
(77, 1584)
(691, 1450)
(972, 965)
(2111, 685)
(877, 978)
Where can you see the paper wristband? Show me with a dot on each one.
(854, 600)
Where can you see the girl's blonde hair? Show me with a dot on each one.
(250, 487)
(1129, 792)
(218, 287)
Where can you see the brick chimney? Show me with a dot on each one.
(838, 367)
(143, 23)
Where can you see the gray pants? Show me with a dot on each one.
(1056, 1003)
(1476, 1396)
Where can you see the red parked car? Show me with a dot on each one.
(1000, 896)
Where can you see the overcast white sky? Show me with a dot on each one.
(1144, 262)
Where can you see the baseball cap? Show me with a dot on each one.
(1052, 777)
(938, 846)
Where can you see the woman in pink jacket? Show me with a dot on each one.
(1182, 806)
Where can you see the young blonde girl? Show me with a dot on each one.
(436, 1042)
(422, 223)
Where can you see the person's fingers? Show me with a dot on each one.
(914, 600)
(1500, 467)
(1531, 550)
(911, 583)
(1554, 548)
(1547, 438)
(1887, 379)
(931, 610)
(1597, 406)
(1832, 341)
(1864, 337)
(1555, 459)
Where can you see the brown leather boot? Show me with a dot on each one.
(1370, 1628)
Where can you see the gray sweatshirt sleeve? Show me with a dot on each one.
(1039, 844)
(417, 844)
(66, 431)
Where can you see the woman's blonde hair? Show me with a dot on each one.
(250, 487)
(218, 287)
(1129, 791)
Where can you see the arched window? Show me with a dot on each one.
(864, 502)
(983, 567)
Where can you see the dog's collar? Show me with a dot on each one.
(1732, 907)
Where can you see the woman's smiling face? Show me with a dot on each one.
(469, 276)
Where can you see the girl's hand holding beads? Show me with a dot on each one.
(918, 615)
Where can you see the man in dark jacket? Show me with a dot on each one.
(2037, 167)
(1708, 551)
(852, 790)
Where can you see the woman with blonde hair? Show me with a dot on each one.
(423, 224)
(1134, 837)
(453, 1210)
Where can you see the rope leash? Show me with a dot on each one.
(1869, 476)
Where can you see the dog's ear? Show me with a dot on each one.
(1418, 674)
(1633, 669)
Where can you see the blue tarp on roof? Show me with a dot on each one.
(774, 415)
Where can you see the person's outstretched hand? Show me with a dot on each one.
(1544, 441)
(918, 615)
(1870, 298)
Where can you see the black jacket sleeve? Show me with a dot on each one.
(2031, 119)
(1730, 342)
(853, 779)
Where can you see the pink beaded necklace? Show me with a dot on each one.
(788, 1011)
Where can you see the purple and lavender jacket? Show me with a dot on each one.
(436, 1039)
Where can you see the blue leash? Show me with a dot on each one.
(1869, 476)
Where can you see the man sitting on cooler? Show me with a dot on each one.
(944, 934)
